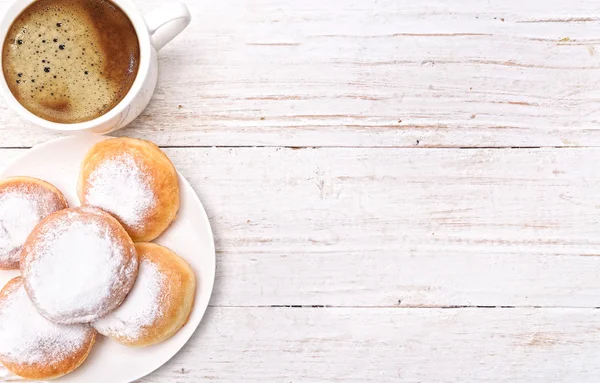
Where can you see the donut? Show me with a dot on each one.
(134, 181)
(33, 347)
(159, 303)
(24, 202)
(78, 265)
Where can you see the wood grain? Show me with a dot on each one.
(373, 73)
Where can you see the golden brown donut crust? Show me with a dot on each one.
(31, 186)
(177, 299)
(117, 233)
(156, 165)
(39, 371)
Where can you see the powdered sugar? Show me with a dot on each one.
(121, 186)
(89, 278)
(78, 270)
(27, 338)
(18, 217)
(21, 208)
(142, 307)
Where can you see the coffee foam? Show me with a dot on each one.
(70, 61)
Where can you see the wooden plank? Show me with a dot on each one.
(389, 345)
(399, 227)
(372, 73)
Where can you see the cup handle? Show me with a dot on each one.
(166, 22)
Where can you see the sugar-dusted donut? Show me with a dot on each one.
(24, 202)
(33, 347)
(134, 181)
(159, 303)
(78, 265)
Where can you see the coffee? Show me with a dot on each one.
(70, 61)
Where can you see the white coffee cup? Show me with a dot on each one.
(154, 30)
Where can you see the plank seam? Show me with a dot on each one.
(343, 147)
(410, 307)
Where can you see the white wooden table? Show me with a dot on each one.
(400, 190)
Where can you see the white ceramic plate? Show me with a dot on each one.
(190, 236)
